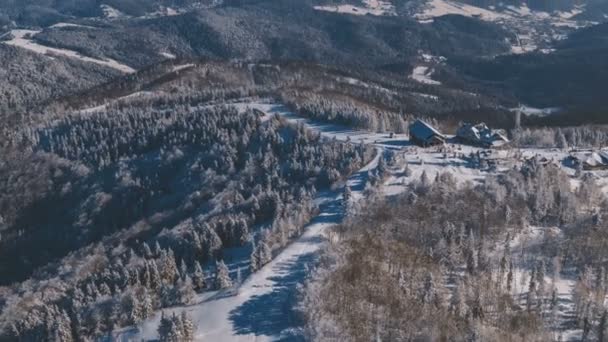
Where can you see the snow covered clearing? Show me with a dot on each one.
(426, 96)
(23, 39)
(372, 7)
(168, 55)
(61, 25)
(110, 12)
(438, 8)
(140, 94)
(423, 74)
(182, 67)
(534, 29)
(354, 81)
(527, 110)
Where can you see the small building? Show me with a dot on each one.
(591, 162)
(423, 134)
(481, 135)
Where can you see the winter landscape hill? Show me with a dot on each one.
(311, 170)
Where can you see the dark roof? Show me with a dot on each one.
(423, 130)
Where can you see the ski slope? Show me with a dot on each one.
(22, 39)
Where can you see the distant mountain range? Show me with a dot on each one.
(512, 52)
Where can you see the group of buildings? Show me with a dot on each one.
(424, 134)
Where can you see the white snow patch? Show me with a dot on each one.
(372, 7)
(110, 12)
(438, 8)
(532, 111)
(99, 108)
(168, 55)
(426, 96)
(22, 39)
(354, 81)
(60, 25)
(182, 67)
(423, 74)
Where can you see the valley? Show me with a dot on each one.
(314, 170)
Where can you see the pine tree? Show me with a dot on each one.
(560, 139)
(254, 259)
(510, 277)
(457, 302)
(264, 251)
(183, 269)
(155, 278)
(346, 197)
(134, 309)
(222, 276)
(198, 277)
(147, 307)
(147, 251)
(175, 329)
(164, 328)
(601, 328)
(188, 327)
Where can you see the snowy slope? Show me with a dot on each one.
(22, 39)
(372, 7)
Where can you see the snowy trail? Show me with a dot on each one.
(263, 308)
(22, 39)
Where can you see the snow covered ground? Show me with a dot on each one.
(527, 110)
(437, 8)
(61, 25)
(168, 55)
(534, 30)
(423, 74)
(372, 7)
(110, 12)
(23, 39)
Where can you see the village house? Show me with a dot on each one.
(591, 161)
(423, 134)
(481, 135)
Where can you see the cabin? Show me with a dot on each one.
(591, 162)
(423, 134)
(481, 135)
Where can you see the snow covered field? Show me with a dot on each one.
(534, 30)
(423, 74)
(22, 39)
(372, 7)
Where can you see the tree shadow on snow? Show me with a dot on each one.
(274, 313)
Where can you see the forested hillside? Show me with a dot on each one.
(108, 187)
(446, 260)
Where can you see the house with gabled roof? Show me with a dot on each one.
(423, 134)
(481, 135)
